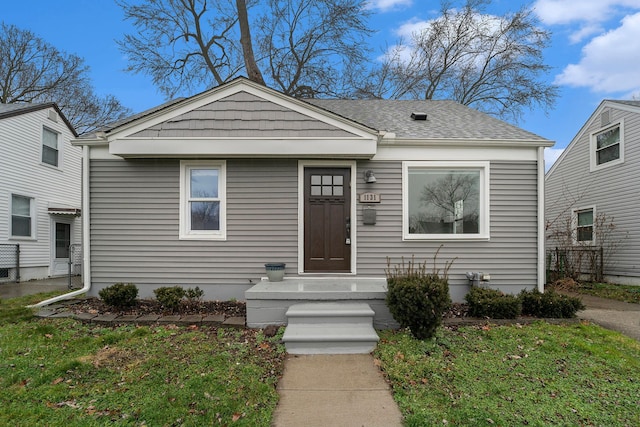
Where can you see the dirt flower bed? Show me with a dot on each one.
(150, 306)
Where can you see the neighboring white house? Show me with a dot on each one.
(40, 191)
(596, 178)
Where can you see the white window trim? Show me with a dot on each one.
(593, 145)
(185, 232)
(32, 214)
(574, 226)
(483, 167)
(60, 145)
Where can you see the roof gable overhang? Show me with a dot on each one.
(335, 136)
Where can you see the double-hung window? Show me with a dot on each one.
(203, 200)
(584, 225)
(445, 200)
(607, 146)
(50, 153)
(21, 216)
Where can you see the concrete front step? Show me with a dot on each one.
(330, 328)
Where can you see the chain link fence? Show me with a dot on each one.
(9, 263)
(75, 266)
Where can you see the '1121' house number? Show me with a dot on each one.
(370, 198)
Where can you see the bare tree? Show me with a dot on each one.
(32, 70)
(304, 48)
(492, 63)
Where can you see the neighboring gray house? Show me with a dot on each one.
(40, 191)
(204, 191)
(595, 179)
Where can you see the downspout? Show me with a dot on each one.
(541, 221)
(86, 270)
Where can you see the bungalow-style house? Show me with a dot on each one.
(40, 191)
(206, 190)
(592, 194)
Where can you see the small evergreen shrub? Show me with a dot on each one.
(549, 304)
(193, 294)
(169, 297)
(418, 299)
(491, 303)
(120, 295)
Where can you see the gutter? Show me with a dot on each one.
(86, 250)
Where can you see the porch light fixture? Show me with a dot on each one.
(369, 178)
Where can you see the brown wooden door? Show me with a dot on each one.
(327, 222)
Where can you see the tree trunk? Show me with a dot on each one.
(253, 72)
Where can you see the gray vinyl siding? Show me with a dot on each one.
(134, 226)
(510, 256)
(242, 115)
(612, 190)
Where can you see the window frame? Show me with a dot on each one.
(593, 148)
(46, 129)
(185, 190)
(32, 223)
(483, 167)
(574, 226)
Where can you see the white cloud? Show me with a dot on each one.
(609, 62)
(413, 26)
(551, 155)
(387, 5)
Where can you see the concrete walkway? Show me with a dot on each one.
(13, 290)
(345, 390)
(615, 315)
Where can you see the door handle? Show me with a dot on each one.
(348, 231)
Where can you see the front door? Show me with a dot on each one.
(61, 241)
(327, 220)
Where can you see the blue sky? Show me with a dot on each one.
(595, 53)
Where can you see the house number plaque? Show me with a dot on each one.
(370, 198)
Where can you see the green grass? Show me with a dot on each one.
(541, 374)
(63, 372)
(624, 293)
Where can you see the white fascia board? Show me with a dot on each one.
(455, 142)
(232, 88)
(244, 147)
(461, 153)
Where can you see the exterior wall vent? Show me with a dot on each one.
(605, 119)
(53, 116)
(418, 116)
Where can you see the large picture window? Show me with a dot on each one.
(607, 147)
(445, 200)
(202, 199)
(21, 216)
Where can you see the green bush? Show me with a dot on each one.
(169, 297)
(491, 303)
(120, 295)
(417, 299)
(193, 294)
(549, 304)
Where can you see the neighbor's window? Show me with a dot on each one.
(49, 147)
(202, 196)
(584, 225)
(21, 216)
(445, 200)
(607, 147)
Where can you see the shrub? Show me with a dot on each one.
(169, 297)
(193, 294)
(549, 304)
(485, 302)
(417, 299)
(120, 295)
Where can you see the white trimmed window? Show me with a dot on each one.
(203, 200)
(50, 153)
(583, 220)
(607, 146)
(445, 200)
(21, 216)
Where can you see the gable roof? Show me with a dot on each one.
(12, 110)
(627, 105)
(445, 119)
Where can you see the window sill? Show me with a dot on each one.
(447, 237)
(215, 237)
